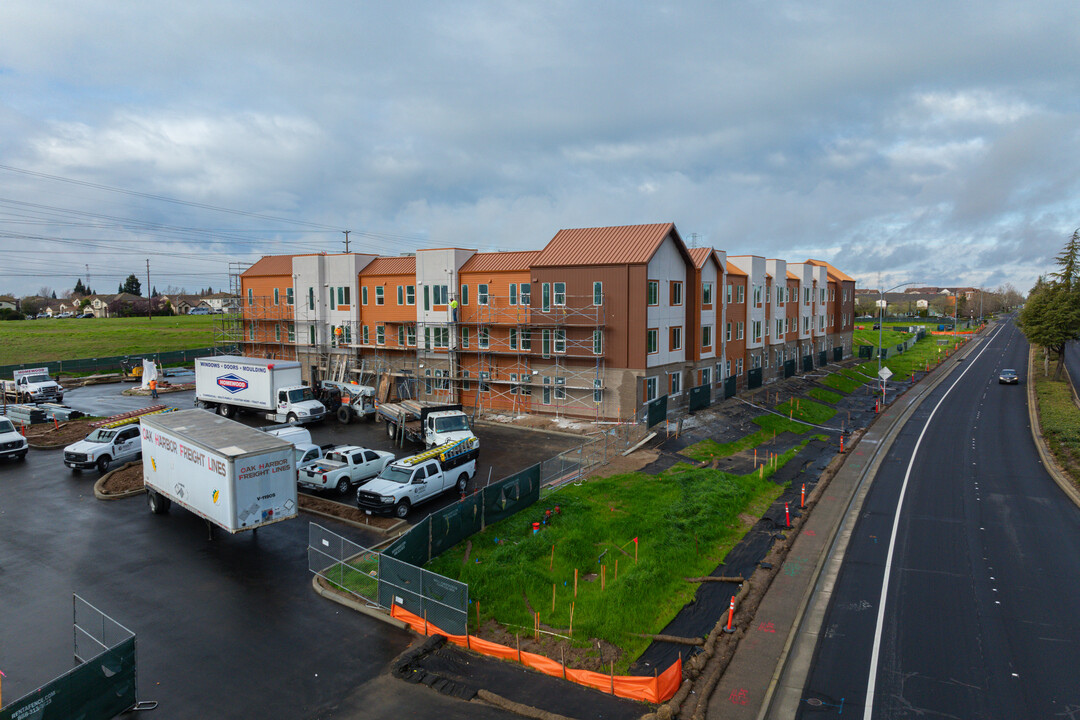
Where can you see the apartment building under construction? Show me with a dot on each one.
(594, 325)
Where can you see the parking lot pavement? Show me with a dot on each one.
(504, 449)
(227, 628)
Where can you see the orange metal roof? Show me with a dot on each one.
(701, 255)
(624, 245)
(399, 265)
(837, 275)
(270, 265)
(792, 276)
(732, 270)
(500, 261)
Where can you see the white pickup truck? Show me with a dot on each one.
(12, 443)
(413, 480)
(343, 468)
(103, 447)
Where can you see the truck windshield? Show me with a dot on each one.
(399, 475)
(37, 378)
(300, 395)
(101, 435)
(6, 426)
(450, 424)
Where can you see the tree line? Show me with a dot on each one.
(1051, 316)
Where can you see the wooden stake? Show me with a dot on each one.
(603, 575)
(571, 619)
(575, 582)
(616, 569)
(612, 677)
(518, 636)
(552, 597)
(562, 652)
(478, 616)
(551, 566)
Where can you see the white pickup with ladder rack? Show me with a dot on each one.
(444, 451)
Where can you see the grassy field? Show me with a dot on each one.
(825, 395)
(685, 519)
(771, 425)
(30, 341)
(1060, 419)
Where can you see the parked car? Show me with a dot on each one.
(103, 447)
(1008, 377)
(12, 443)
(87, 315)
(199, 311)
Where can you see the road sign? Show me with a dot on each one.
(884, 373)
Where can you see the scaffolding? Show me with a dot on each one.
(229, 325)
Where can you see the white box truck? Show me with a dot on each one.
(33, 385)
(229, 384)
(227, 473)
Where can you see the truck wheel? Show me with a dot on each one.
(159, 505)
(344, 415)
(224, 410)
(462, 482)
(291, 417)
(343, 486)
(401, 510)
(103, 463)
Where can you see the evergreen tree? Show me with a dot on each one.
(79, 289)
(154, 293)
(54, 295)
(132, 285)
(1051, 318)
(1069, 260)
(120, 288)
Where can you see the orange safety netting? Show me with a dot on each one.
(650, 689)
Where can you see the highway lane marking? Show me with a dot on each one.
(871, 684)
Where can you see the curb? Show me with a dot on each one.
(116, 496)
(371, 612)
(1048, 460)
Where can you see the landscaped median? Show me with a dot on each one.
(1058, 417)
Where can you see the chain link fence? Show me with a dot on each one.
(575, 463)
(115, 363)
(381, 580)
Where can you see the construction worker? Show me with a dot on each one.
(153, 388)
(453, 310)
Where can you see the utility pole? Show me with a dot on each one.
(149, 314)
(346, 233)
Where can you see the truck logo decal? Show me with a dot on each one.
(233, 383)
(215, 496)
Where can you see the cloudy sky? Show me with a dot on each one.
(931, 142)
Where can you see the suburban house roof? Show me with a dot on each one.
(500, 261)
(396, 265)
(622, 245)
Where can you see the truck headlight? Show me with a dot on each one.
(387, 498)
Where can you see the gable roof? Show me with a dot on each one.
(395, 265)
(732, 270)
(622, 245)
(500, 261)
(701, 255)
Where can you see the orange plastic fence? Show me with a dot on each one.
(649, 689)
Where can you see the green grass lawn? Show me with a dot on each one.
(1060, 419)
(31, 341)
(686, 520)
(771, 425)
(843, 381)
(824, 395)
(806, 410)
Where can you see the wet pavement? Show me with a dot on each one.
(226, 628)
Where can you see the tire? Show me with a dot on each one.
(159, 504)
(344, 415)
(225, 411)
(103, 464)
(401, 510)
(291, 417)
(22, 457)
(462, 482)
(343, 486)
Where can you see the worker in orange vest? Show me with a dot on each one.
(153, 388)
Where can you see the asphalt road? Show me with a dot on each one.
(978, 546)
(228, 628)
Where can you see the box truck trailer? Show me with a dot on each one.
(227, 473)
(229, 384)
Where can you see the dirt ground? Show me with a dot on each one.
(67, 433)
(123, 481)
